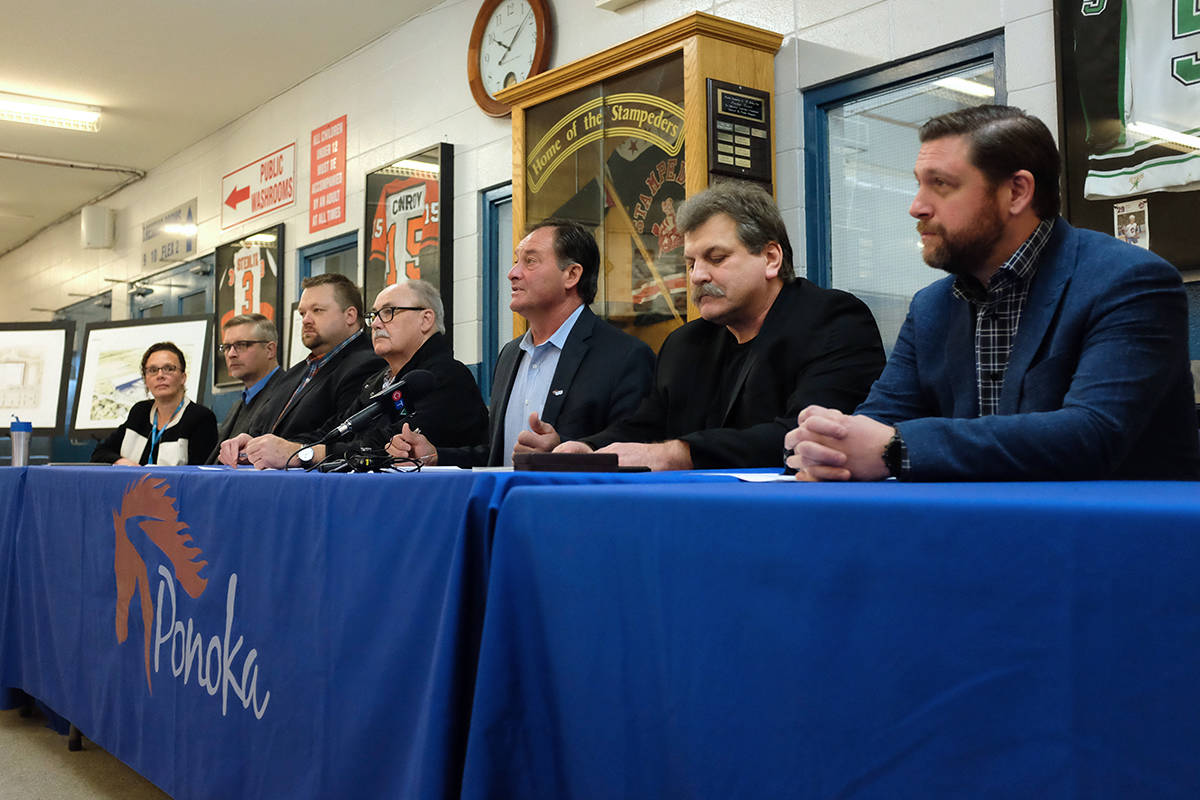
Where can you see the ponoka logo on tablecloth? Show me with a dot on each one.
(147, 504)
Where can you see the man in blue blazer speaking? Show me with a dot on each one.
(1050, 353)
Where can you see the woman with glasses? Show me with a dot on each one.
(167, 429)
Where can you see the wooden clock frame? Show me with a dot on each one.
(541, 54)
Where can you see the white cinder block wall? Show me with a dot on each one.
(408, 90)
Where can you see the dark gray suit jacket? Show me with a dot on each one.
(601, 378)
(242, 416)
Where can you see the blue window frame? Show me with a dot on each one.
(183, 289)
(339, 254)
(860, 143)
(497, 251)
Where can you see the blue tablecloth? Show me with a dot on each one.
(245, 634)
(11, 483)
(866, 641)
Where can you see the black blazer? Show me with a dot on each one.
(816, 346)
(329, 394)
(241, 417)
(601, 377)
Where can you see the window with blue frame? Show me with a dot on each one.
(182, 289)
(496, 325)
(860, 147)
(338, 255)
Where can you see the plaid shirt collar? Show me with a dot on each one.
(1015, 273)
(314, 365)
(315, 362)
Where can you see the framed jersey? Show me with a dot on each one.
(248, 281)
(410, 225)
(1130, 78)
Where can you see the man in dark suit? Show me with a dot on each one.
(249, 343)
(1094, 381)
(322, 386)
(767, 345)
(571, 370)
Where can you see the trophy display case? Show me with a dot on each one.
(607, 140)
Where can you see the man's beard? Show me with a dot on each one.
(312, 339)
(964, 253)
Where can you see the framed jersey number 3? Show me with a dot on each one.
(248, 282)
(409, 223)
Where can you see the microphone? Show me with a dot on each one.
(389, 399)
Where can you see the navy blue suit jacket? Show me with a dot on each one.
(1098, 384)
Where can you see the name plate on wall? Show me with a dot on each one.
(739, 131)
(170, 237)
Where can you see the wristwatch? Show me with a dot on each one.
(305, 458)
(894, 454)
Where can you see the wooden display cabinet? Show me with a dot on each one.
(618, 139)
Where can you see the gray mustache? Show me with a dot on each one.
(709, 290)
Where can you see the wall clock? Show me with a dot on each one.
(510, 41)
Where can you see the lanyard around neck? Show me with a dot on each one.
(155, 432)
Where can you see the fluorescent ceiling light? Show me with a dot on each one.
(51, 113)
(964, 86)
(1149, 131)
(410, 166)
(260, 238)
(188, 229)
(419, 166)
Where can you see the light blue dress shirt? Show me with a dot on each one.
(532, 386)
(248, 395)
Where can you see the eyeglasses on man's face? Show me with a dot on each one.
(240, 346)
(165, 369)
(386, 313)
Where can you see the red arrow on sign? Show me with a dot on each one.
(237, 196)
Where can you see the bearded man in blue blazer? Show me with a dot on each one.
(1050, 353)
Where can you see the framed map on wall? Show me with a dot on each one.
(35, 364)
(110, 371)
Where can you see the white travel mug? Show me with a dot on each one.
(20, 433)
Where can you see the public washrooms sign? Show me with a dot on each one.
(262, 186)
